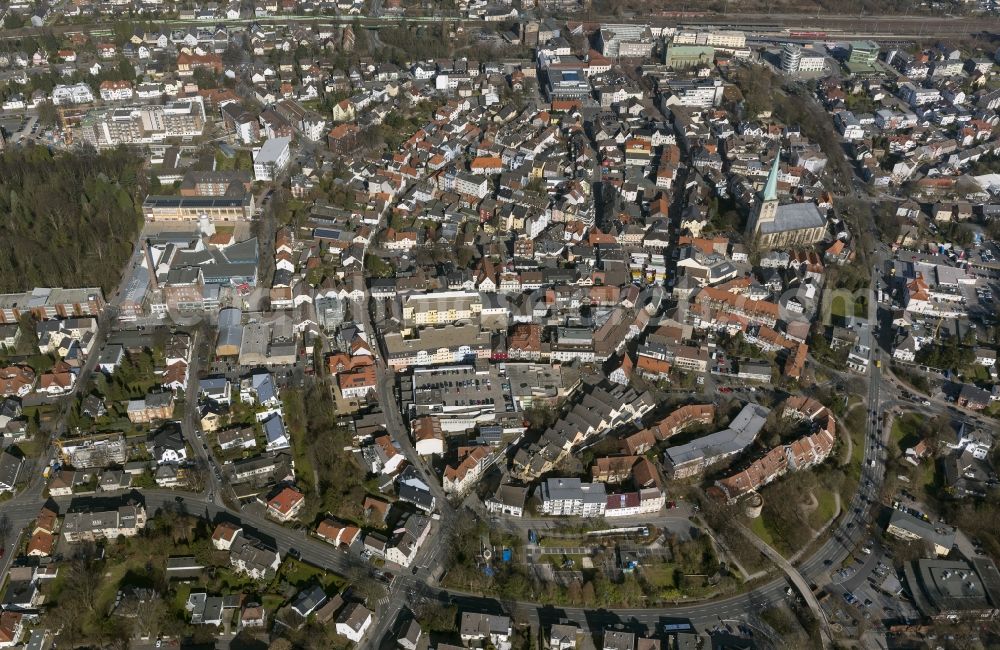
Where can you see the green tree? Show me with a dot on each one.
(82, 205)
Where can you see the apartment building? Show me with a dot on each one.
(440, 308)
(571, 497)
(692, 458)
(631, 504)
(625, 41)
(722, 39)
(45, 303)
(154, 406)
(91, 526)
(115, 91)
(80, 93)
(271, 159)
(458, 479)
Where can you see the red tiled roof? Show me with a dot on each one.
(286, 500)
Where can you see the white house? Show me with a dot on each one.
(407, 540)
(259, 389)
(276, 433)
(76, 94)
(353, 621)
(485, 629)
(986, 356)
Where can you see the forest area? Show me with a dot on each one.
(71, 218)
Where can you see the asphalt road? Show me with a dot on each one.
(432, 553)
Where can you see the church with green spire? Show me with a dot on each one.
(773, 225)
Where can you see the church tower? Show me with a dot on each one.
(767, 208)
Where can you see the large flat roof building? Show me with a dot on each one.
(461, 397)
(911, 528)
(954, 589)
(863, 52)
(567, 84)
(192, 208)
(438, 345)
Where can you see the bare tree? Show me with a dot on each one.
(4, 529)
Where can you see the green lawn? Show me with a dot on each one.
(761, 530)
(301, 574)
(906, 430)
(976, 373)
(181, 592)
(32, 447)
(861, 307)
(110, 581)
(824, 511)
(855, 426)
(271, 602)
(839, 307)
(659, 575)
